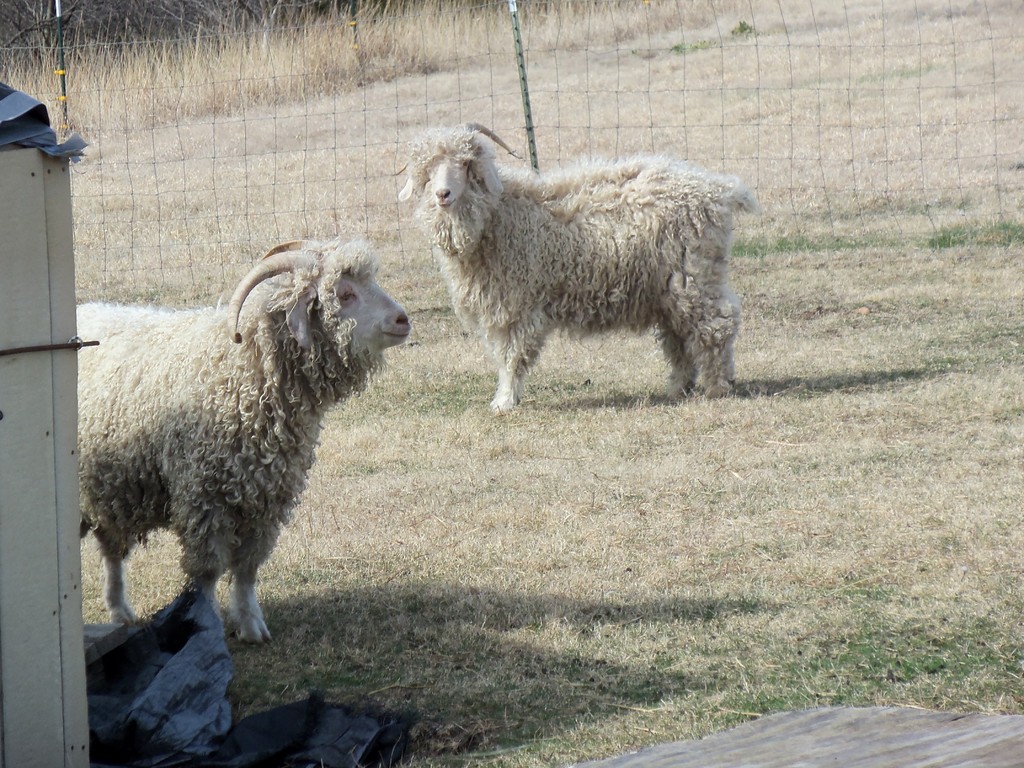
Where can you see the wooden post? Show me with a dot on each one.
(43, 711)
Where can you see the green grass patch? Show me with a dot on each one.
(684, 48)
(743, 29)
(884, 659)
(876, 658)
(763, 247)
(1002, 234)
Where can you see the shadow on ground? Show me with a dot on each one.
(475, 668)
(794, 386)
(867, 381)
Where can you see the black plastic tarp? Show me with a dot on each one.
(24, 122)
(159, 700)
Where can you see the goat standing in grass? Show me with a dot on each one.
(206, 421)
(635, 243)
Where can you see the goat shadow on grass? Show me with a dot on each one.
(794, 386)
(476, 667)
(802, 387)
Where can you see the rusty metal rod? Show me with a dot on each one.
(75, 343)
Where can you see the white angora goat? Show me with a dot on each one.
(206, 421)
(634, 243)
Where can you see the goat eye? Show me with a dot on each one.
(347, 297)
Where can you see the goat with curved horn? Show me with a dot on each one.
(181, 429)
(277, 261)
(492, 136)
(633, 243)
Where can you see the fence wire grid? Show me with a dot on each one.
(860, 123)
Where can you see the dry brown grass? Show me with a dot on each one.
(604, 569)
(853, 126)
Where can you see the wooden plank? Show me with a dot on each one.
(36, 453)
(873, 737)
(29, 623)
(63, 327)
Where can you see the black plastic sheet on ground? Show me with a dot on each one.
(159, 701)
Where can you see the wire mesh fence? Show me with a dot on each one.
(857, 123)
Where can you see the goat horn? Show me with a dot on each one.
(490, 135)
(291, 245)
(274, 263)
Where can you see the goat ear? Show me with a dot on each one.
(407, 190)
(298, 318)
(486, 166)
(489, 171)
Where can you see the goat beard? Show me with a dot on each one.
(330, 371)
(456, 231)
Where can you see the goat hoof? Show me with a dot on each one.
(717, 390)
(681, 392)
(253, 631)
(502, 407)
(123, 614)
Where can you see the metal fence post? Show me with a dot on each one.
(61, 70)
(531, 140)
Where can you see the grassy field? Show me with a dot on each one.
(605, 569)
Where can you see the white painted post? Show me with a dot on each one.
(43, 711)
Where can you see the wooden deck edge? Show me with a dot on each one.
(852, 737)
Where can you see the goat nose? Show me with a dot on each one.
(443, 194)
(402, 319)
